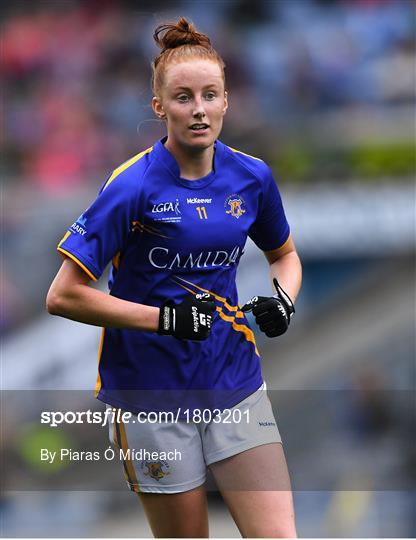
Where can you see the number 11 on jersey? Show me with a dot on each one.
(202, 212)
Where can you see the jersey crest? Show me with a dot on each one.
(234, 203)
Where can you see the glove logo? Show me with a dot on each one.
(251, 303)
(191, 319)
(166, 318)
(234, 203)
(195, 318)
(282, 310)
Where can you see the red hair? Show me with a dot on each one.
(180, 41)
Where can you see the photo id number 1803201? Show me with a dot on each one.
(217, 416)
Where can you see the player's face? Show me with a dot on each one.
(193, 101)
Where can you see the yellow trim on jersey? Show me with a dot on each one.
(126, 165)
(100, 352)
(66, 235)
(79, 263)
(152, 228)
(238, 315)
(244, 154)
(147, 228)
(286, 241)
(184, 287)
(116, 260)
(248, 333)
(280, 247)
(240, 328)
(216, 296)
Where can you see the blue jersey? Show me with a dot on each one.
(168, 237)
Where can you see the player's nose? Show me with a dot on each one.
(199, 111)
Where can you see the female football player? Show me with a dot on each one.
(173, 220)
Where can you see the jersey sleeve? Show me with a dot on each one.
(270, 229)
(101, 231)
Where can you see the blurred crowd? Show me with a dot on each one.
(78, 72)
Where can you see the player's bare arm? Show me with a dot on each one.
(285, 266)
(273, 314)
(71, 296)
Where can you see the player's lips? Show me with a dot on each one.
(199, 128)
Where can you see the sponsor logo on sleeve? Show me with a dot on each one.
(80, 225)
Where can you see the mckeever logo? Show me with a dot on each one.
(80, 225)
(267, 424)
(195, 200)
(167, 211)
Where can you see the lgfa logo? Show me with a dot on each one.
(167, 207)
(234, 203)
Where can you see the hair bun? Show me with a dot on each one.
(180, 41)
(172, 35)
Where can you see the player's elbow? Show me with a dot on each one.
(55, 304)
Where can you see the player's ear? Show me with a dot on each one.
(225, 107)
(158, 108)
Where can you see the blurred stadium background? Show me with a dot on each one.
(324, 91)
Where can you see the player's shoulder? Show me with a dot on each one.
(252, 163)
(130, 171)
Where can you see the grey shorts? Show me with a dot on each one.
(172, 457)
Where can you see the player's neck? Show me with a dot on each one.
(192, 164)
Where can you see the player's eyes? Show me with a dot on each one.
(184, 98)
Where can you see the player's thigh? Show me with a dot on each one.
(255, 485)
(179, 515)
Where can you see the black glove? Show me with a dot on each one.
(191, 319)
(273, 313)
